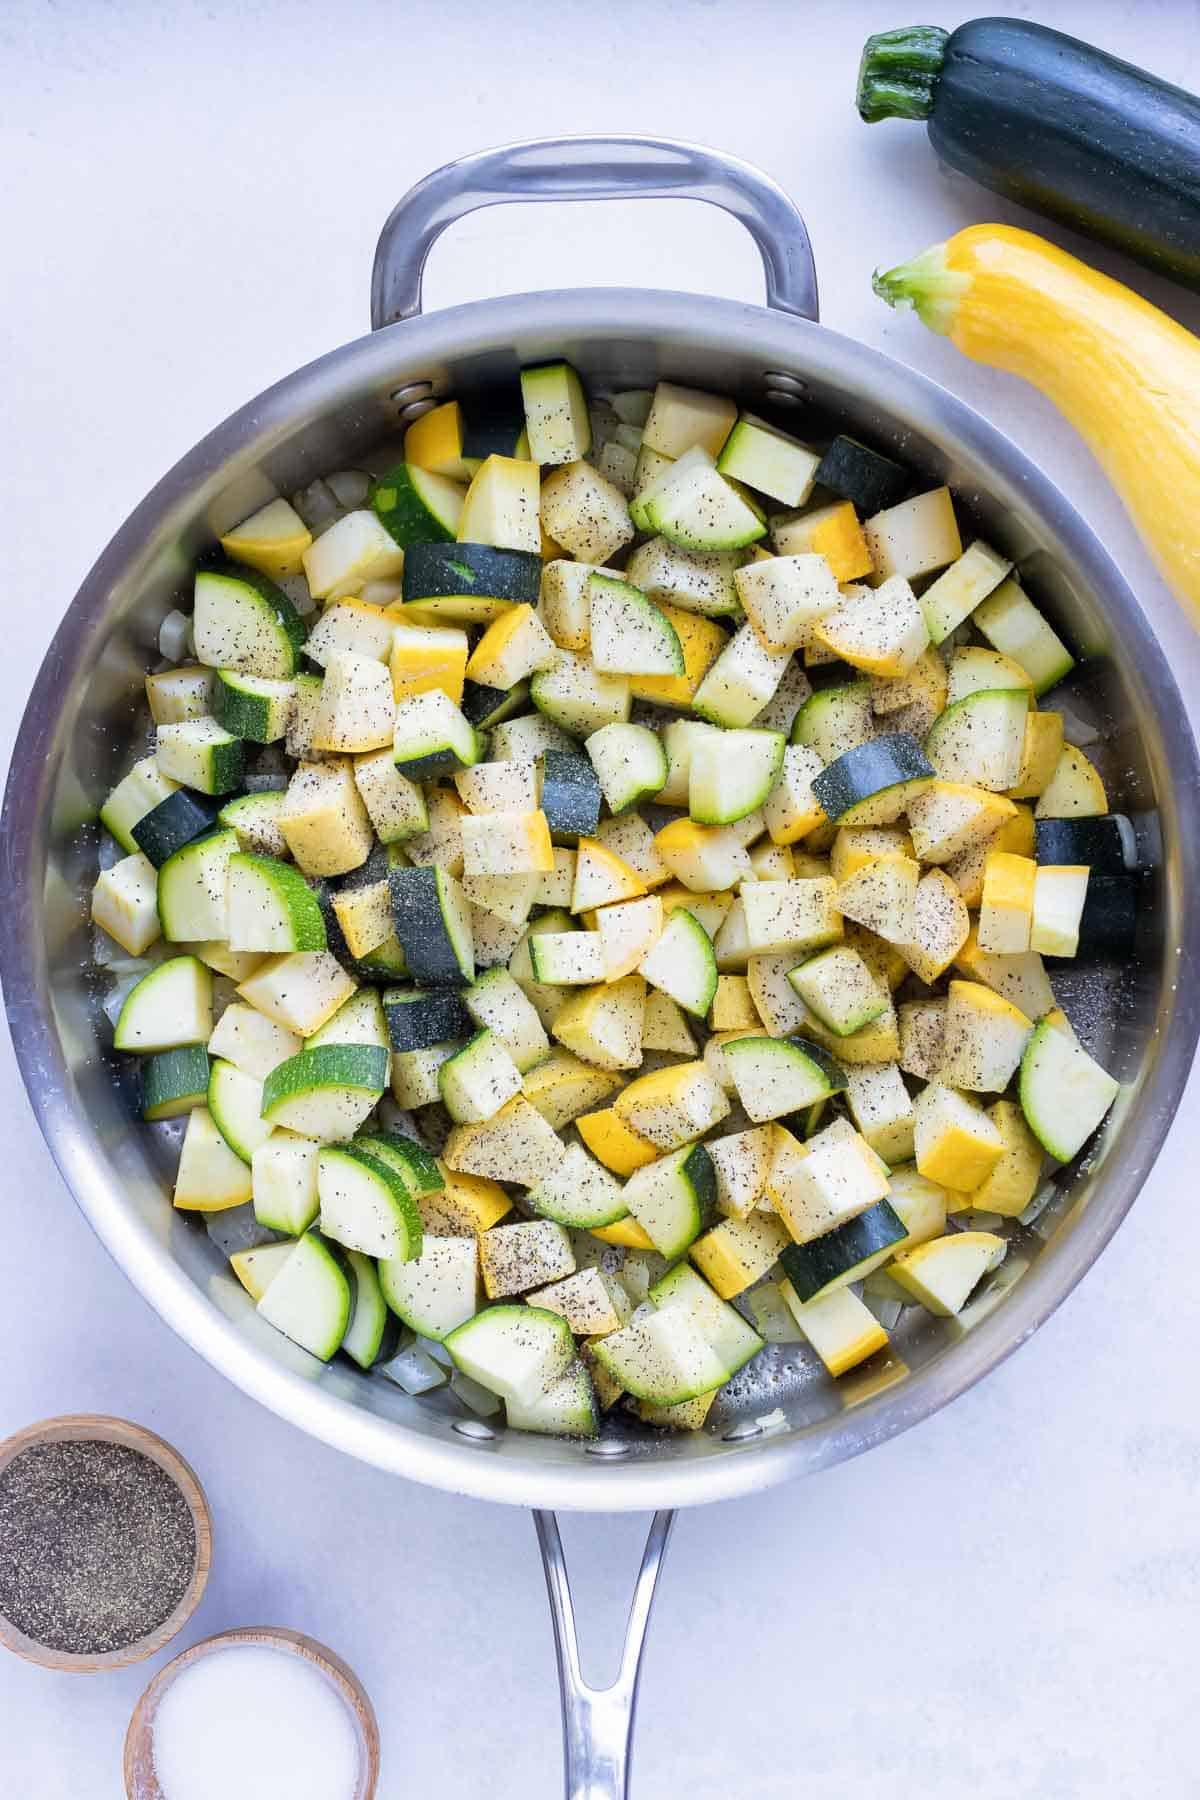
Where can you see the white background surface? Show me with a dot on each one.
(1002, 1603)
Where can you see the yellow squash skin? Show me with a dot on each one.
(1125, 375)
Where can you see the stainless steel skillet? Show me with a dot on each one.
(85, 715)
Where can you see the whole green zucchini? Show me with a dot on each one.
(1055, 124)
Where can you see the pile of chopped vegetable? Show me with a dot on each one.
(588, 895)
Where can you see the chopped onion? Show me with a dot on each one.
(109, 851)
(1076, 729)
(382, 593)
(237, 1228)
(413, 1371)
(1037, 1206)
(772, 1314)
(437, 1351)
(772, 1421)
(175, 636)
(978, 1220)
(349, 487)
(318, 506)
(633, 406)
(113, 1001)
(885, 1310)
(474, 1396)
(629, 437)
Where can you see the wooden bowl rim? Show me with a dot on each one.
(100, 1427)
(139, 1736)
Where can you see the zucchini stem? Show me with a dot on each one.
(898, 74)
(925, 283)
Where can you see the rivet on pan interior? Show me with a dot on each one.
(473, 1428)
(747, 1429)
(781, 397)
(414, 390)
(416, 408)
(781, 383)
(608, 1447)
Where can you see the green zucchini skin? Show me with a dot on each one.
(570, 795)
(444, 571)
(811, 1267)
(1056, 125)
(174, 822)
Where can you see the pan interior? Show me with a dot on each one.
(347, 411)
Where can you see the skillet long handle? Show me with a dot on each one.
(592, 168)
(598, 1722)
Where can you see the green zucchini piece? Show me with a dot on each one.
(174, 822)
(249, 706)
(433, 924)
(517, 1351)
(775, 1076)
(671, 1197)
(418, 1017)
(271, 906)
(373, 1334)
(437, 572)
(327, 1092)
(242, 621)
(857, 473)
(570, 794)
(365, 1204)
(556, 414)
(235, 1102)
(174, 1081)
(192, 904)
(846, 1253)
(169, 1008)
(416, 507)
(432, 736)
(1064, 1092)
(835, 720)
(873, 783)
(136, 794)
(412, 1162)
(309, 1299)
(437, 1291)
(484, 707)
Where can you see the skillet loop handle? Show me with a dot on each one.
(592, 168)
(598, 1722)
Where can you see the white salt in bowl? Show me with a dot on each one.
(141, 1781)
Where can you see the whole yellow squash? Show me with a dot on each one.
(1125, 375)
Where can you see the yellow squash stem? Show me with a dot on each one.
(1125, 375)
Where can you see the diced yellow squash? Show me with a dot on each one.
(602, 878)
(1014, 1180)
(514, 646)
(949, 818)
(626, 1232)
(957, 1145)
(684, 1415)
(833, 532)
(357, 712)
(620, 1148)
(1006, 909)
(434, 442)
(603, 1025)
(1039, 755)
(673, 1107)
(1075, 790)
(942, 1273)
(732, 1255)
(943, 926)
(365, 916)
(469, 1202)
(701, 641)
(324, 820)
(880, 631)
(425, 657)
(856, 846)
(841, 1328)
(1017, 835)
(272, 540)
(628, 931)
(502, 505)
(125, 903)
(562, 1087)
(732, 1007)
(502, 843)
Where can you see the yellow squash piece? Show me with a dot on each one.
(942, 1273)
(603, 1025)
(562, 1087)
(1124, 374)
(841, 1328)
(468, 1202)
(732, 1008)
(625, 1232)
(737, 1251)
(435, 440)
(701, 641)
(1014, 1180)
(620, 1148)
(957, 1145)
(425, 657)
(273, 540)
(1006, 909)
(602, 878)
(833, 532)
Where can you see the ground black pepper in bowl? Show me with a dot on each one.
(97, 1545)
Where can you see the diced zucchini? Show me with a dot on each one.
(580, 1192)
(245, 622)
(839, 987)
(741, 681)
(431, 736)
(478, 1080)
(776, 1076)
(1065, 1094)
(630, 764)
(284, 1176)
(556, 413)
(1059, 897)
(628, 932)
(125, 903)
(835, 721)
(175, 694)
(629, 635)
(438, 1290)
(174, 1081)
(695, 581)
(698, 508)
(730, 775)
(979, 740)
(433, 925)
(516, 1258)
(168, 1008)
(872, 481)
(365, 1205)
(299, 990)
(874, 783)
(663, 1358)
(270, 906)
(309, 1299)
(578, 697)
(785, 916)
(768, 460)
(201, 754)
(682, 965)
(235, 1102)
(680, 418)
(843, 1255)
(953, 597)
(567, 958)
(566, 1409)
(326, 1092)
(1010, 621)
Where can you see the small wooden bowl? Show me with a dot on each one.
(94, 1426)
(141, 1783)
